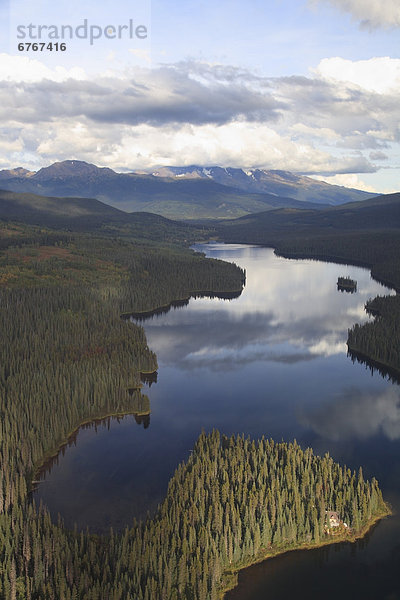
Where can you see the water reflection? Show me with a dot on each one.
(163, 310)
(149, 378)
(272, 361)
(287, 312)
(372, 366)
(143, 420)
(356, 414)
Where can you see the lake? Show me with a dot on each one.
(271, 362)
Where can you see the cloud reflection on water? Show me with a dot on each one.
(289, 311)
(210, 340)
(356, 414)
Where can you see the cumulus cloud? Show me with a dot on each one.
(154, 96)
(233, 144)
(370, 14)
(341, 106)
(197, 113)
(379, 74)
(23, 69)
(378, 155)
(349, 180)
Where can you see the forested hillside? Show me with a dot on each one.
(67, 356)
(90, 215)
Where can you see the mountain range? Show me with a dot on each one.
(278, 183)
(180, 192)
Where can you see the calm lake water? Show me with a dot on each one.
(272, 362)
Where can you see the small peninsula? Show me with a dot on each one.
(237, 501)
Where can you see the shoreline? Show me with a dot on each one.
(336, 260)
(350, 539)
(143, 314)
(53, 454)
(230, 576)
(380, 366)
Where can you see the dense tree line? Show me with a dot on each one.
(233, 501)
(379, 339)
(380, 251)
(67, 356)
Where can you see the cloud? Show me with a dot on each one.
(197, 113)
(350, 181)
(358, 415)
(379, 74)
(143, 55)
(370, 14)
(23, 69)
(153, 96)
(355, 115)
(378, 155)
(341, 106)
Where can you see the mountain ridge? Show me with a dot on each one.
(379, 214)
(179, 196)
(275, 181)
(89, 215)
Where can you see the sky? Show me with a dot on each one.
(309, 86)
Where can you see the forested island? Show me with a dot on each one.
(67, 357)
(346, 284)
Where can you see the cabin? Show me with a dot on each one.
(332, 518)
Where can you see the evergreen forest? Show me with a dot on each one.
(68, 357)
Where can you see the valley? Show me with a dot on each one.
(68, 269)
